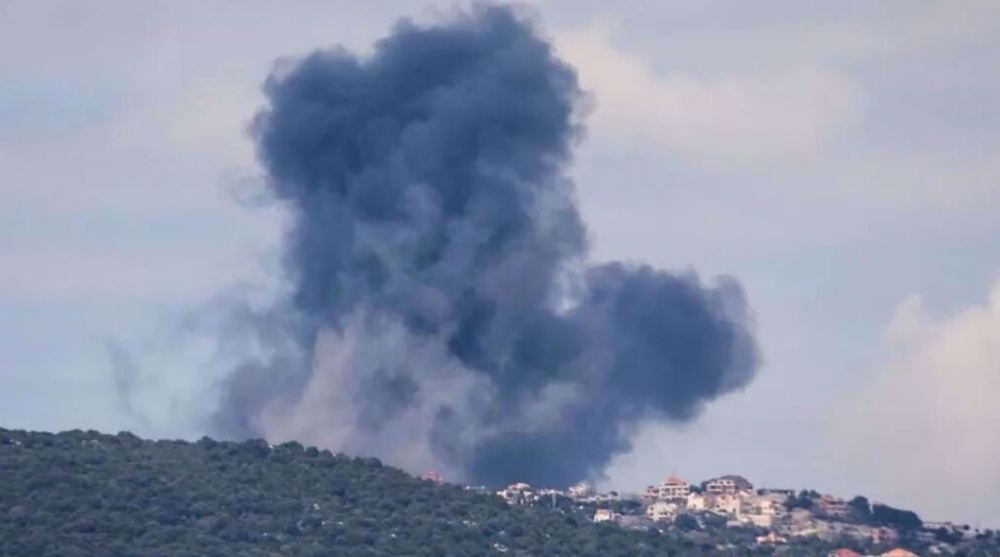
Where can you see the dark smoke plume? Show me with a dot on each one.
(441, 312)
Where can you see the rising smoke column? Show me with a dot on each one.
(442, 312)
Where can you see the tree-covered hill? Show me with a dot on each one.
(84, 493)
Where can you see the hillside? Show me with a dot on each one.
(85, 493)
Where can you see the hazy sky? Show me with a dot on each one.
(841, 159)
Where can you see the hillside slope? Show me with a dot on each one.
(84, 493)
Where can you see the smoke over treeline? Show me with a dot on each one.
(442, 312)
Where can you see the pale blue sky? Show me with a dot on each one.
(838, 158)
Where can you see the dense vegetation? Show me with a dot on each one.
(84, 493)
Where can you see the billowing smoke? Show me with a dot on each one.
(442, 313)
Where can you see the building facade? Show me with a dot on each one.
(670, 489)
(728, 485)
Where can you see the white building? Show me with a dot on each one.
(728, 484)
(518, 494)
(605, 515)
(696, 502)
(763, 504)
(726, 504)
(670, 489)
(662, 511)
(761, 510)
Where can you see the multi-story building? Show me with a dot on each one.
(518, 494)
(761, 510)
(670, 489)
(726, 504)
(728, 484)
(696, 502)
(662, 511)
(833, 506)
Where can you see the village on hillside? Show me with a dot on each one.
(778, 515)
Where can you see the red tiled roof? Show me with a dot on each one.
(899, 552)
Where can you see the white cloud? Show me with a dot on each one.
(732, 119)
(925, 432)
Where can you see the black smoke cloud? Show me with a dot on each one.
(441, 311)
